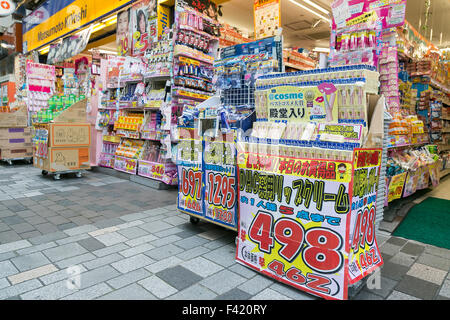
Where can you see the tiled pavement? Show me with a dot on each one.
(147, 250)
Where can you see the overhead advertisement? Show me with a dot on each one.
(55, 19)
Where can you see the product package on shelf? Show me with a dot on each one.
(127, 155)
(153, 165)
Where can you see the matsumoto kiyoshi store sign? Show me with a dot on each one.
(55, 19)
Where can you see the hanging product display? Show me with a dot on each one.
(207, 149)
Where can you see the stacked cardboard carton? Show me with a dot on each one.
(69, 140)
(15, 136)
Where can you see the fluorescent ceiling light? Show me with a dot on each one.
(312, 4)
(310, 10)
(326, 50)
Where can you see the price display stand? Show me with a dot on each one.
(307, 198)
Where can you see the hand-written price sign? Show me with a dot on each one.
(364, 254)
(190, 176)
(295, 221)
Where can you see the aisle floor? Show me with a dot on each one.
(129, 242)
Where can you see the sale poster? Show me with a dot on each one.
(365, 256)
(411, 183)
(303, 104)
(293, 221)
(267, 18)
(123, 32)
(144, 26)
(220, 180)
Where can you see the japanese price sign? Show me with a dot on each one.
(190, 175)
(220, 180)
(303, 104)
(295, 221)
(396, 186)
(364, 254)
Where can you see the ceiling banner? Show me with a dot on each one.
(56, 19)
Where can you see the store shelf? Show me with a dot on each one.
(157, 77)
(408, 145)
(184, 51)
(439, 86)
(296, 66)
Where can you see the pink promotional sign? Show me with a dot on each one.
(40, 77)
(348, 13)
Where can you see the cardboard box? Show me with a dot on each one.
(74, 114)
(64, 159)
(69, 135)
(14, 119)
(15, 143)
(15, 133)
(16, 153)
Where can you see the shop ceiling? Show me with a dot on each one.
(302, 29)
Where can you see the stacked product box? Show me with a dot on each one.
(62, 146)
(15, 136)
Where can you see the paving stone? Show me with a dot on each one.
(103, 231)
(195, 292)
(131, 292)
(133, 216)
(396, 241)
(445, 289)
(242, 270)
(397, 295)
(9, 236)
(191, 242)
(30, 261)
(72, 239)
(35, 219)
(22, 227)
(14, 246)
(52, 291)
(133, 232)
(166, 240)
(413, 249)
(64, 252)
(12, 220)
(164, 252)
(7, 269)
(291, 292)
(132, 263)
(192, 253)
(20, 288)
(129, 278)
(390, 249)
(79, 230)
(434, 261)
(179, 277)
(436, 251)
(111, 238)
(90, 293)
(222, 281)
(91, 244)
(109, 250)
(48, 237)
(4, 283)
(269, 294)
(386, 287)
(95, 276)
(158, 287)
(99, 262)
(256, 284)
(32, 274)
(224, 256)
(46, 228)
(417, 287)
(59, 275)
(393, 271)
(4, 227)
(427, 273)
(136, 250)
(108, 223)
(366, 295)
(202, 266)
(403, 259)
(7, 256)
(169, 232)
(155, 226)
(75, 261)
(163, 264)
(31, 234)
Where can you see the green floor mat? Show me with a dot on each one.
(427, 222)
